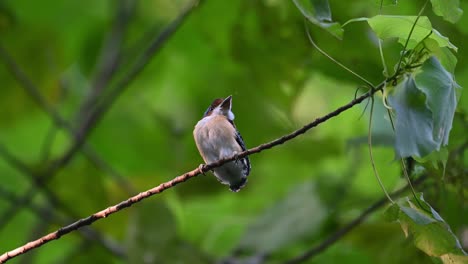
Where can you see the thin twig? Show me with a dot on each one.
(36, 177)
(36, 229)
(182, 178)
(330, 240)
(19, 202)
(49, 215)
(382, 56)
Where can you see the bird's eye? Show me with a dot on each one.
(208, 111)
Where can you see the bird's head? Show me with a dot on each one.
(221, 106)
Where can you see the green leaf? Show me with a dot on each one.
(430, 233)
(425, 105)
(439, 86)
(318, 13)
(444, 54)
(413, 122)
(400, 26)
(436, 158)
(297, 215)
(322, 10)
(448, 9)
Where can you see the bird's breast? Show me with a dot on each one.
(215, 138)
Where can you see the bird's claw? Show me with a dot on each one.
(202, 169)
(236, 158)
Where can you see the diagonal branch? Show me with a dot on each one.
(182, 178)
(107, 68)
(19, 202)
(50, 216)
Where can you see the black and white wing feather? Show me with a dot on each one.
(245, 161)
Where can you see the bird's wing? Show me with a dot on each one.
(240, 141)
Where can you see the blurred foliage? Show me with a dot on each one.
(431, 234)
(258, 51)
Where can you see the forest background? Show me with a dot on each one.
(156, 65)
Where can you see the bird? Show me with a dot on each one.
(217, 137)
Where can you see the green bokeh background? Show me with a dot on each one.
(257, 51)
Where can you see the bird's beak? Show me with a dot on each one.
(226, 104)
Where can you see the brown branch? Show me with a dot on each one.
(45, 213)
(99, 215)
(50, 216)
(39, 178)
(19, 202)
(330, 240)
(182, 178)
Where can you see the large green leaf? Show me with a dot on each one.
(424, 104)
(400, 26)
(448, 9)
(413, 123)
(439, 86)
(443, 54)
(318, 13)
(429, 231)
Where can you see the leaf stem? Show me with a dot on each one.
(409, 36)
(335, 61)
(369, 144)
(403, 165)
(382, 57)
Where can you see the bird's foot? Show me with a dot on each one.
(202, 169)
(236, 158)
